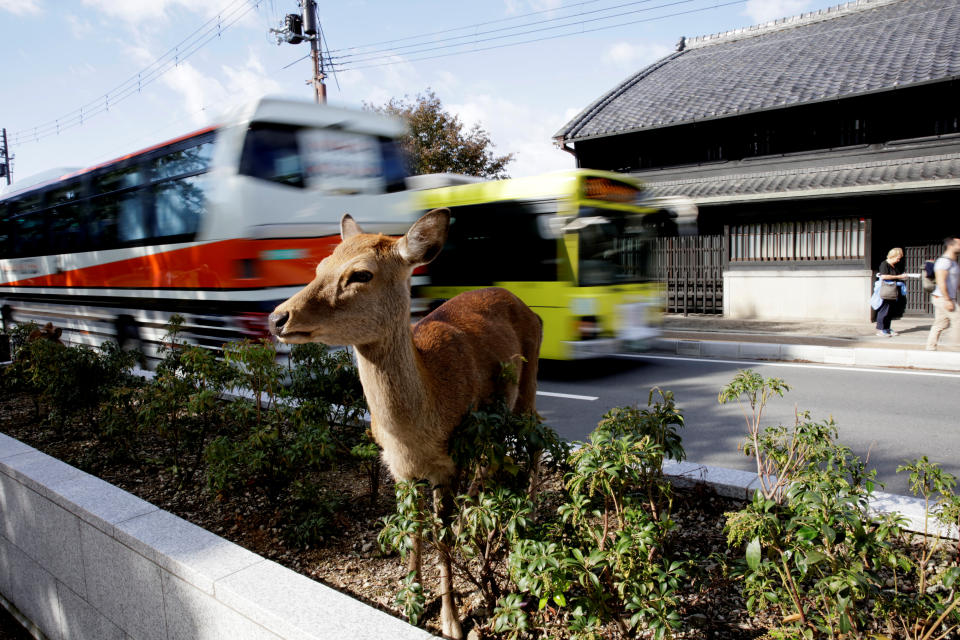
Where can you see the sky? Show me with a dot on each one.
(85, 81)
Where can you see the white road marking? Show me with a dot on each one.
(568, 396)
(800, 365)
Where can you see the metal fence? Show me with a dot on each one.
(918, 302)
(691, 268)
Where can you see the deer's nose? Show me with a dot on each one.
(277, 320)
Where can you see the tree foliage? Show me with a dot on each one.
(438, 142)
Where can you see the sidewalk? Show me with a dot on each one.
(818, 342)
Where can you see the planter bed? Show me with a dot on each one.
(129, 555)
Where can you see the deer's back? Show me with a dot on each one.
(464, 341)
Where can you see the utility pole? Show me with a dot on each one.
(311, 29)
(296, 29)
(5, 165)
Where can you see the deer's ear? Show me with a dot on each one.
(58, 332)
(348, 227)
(425, 238)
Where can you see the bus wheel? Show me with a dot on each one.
(128, 334)
(6, 313)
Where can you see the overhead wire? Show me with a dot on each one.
(388, 60)
(200, 37)
(470, 26)
(474, 36)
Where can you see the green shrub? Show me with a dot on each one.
(812, 550)
(923, 602)
(271, 444)
(184, 404)
(605, 560)
(312, 512)
(600, 559)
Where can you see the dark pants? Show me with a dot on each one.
(884, 315)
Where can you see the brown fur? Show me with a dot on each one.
(419, 382)
(46, 332)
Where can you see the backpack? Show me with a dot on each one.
(929, 280)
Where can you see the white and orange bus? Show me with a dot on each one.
(218, 225)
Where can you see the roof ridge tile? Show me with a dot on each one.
(789, 22)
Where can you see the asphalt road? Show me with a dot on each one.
(891, 415)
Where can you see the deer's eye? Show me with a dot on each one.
(360, 276)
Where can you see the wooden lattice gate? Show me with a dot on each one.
(918, 302)
(691, 268)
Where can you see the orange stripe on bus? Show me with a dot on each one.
(214, 265)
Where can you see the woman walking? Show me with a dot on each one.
(891, 271)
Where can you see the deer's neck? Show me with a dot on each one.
(393, 378)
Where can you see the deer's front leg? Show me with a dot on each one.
(449, 616)
(414, 561)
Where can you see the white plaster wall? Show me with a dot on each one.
(841, 295)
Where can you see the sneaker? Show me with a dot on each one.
(883, 334)
(892, 333)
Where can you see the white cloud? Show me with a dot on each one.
(80, 28)
(767, 10)
(204, 96)
(151, 13)
(20, 7)
(199, 91)
(527, 6)
(251, 80)
(519, 129)
(135, 11)
(632, 57)
(377, 85)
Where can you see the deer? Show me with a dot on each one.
(420, 381)
(46, 332)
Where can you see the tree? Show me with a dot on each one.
(437, 142)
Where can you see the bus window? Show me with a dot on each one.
(26, 229)
(496, 242)
(5, 239)
(614, 248)
(117, 179)
(117, 216)
(179, 207)
(395, 165)
(186, 161)
(271, 152)
(341, 162)
(66, 220)
(30, 235)
(127, 218)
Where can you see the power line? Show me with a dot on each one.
(470, 26)
(388, 61)
(475, 37)
(196, 40)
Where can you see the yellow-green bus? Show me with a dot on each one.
(576, 246)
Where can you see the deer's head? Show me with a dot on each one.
(362, 290)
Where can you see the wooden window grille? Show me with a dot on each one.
(835, 240)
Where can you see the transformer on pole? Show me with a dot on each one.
(296, 29)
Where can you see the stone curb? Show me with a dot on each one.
(105, 564)
(80, 557)
(851, 356)
(741, 485)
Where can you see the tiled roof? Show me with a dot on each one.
(856, 48)
(864, 177)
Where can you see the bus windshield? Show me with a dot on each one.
(614, 248)
(326, 160)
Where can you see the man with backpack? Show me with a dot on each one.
(946, 313)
